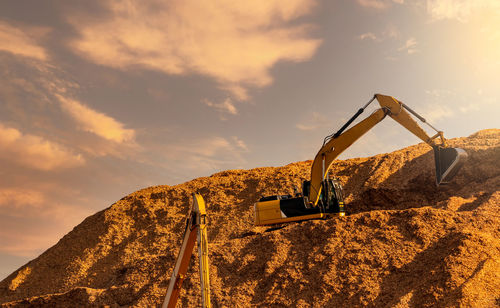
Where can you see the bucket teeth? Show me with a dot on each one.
(448, 163)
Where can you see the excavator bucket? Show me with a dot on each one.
(448, 162)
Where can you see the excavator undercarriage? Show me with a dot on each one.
(322, 197)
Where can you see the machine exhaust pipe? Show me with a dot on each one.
(448, 162)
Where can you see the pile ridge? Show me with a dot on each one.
(405, 242)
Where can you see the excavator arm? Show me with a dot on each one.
(448, 160)
(195, 224)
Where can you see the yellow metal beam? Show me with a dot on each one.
(333, 148)
(195, 225)
(400, 115)
(199, 207)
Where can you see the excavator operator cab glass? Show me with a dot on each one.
(339, 197)
(306, 188)
(333, 196)
(337, 188)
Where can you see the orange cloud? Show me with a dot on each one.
(207, 154)
(460, 9)
(378, 4)
(22, 42)
(409, 46)
(368, 35)
(226, 106)
(96, 122)
(314, 121)
(235, 42)
(53, 220)
(35, 152)
(17, 198)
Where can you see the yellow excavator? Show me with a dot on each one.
(323, 197)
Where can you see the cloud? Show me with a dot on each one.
(35, 152)
(391, 32)
(315, 121)
(442, 104)
(235, 42)
(38, 201)
(226, 106)
(240, 144)
(22, 42)
(437, 106)
(368, 35)
(205, 155)
(371, 144)
(437, 112)
(469, 107)
(19, 198)
(459, 9)
(45, 220)
(409, 46)
(95, 122)
(379, 4)
(34, 92)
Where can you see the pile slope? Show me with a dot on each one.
(405, 242)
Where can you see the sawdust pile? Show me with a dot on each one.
(405, 242)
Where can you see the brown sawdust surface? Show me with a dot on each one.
(406, 243)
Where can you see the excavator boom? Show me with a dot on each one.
(333, 148)
(448, 160)
(321, 197)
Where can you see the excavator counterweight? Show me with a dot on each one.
(322, 197)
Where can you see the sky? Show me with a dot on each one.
(101, 98)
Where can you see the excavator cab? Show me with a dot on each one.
(331, 199)
(286, 208)
(333, 196)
